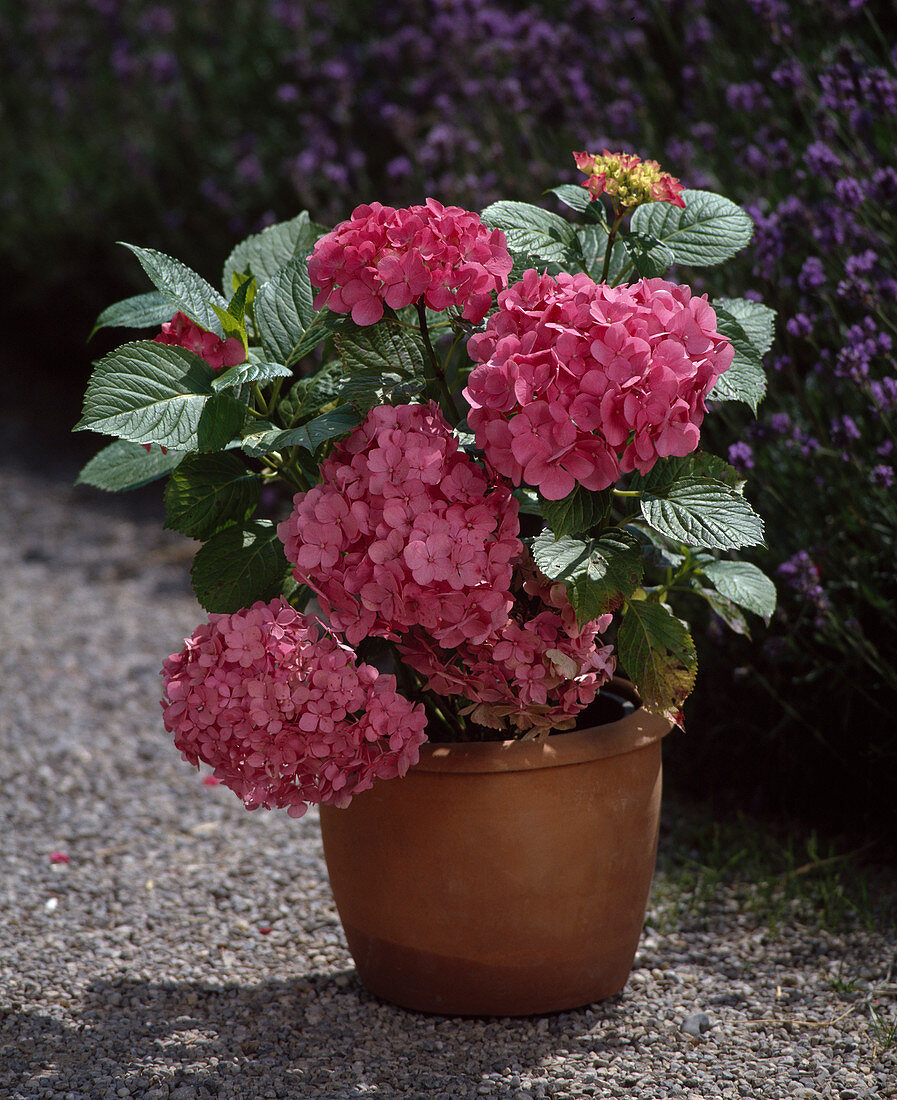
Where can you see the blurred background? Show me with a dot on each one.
(185, 126)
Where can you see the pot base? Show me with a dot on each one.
(438, 984)
(502, 878)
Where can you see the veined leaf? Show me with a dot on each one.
(698, 464)
(577, 513)
(238, 566)
(700, 512)
(539, 233)
(707, 231)
(253, 370)
(745, 379)
(381, 348)
(152, 393)
(757, 321)
(184, 288)
(599, 573)
(285, 319)
(651, 257)
(266, 253)
(141, 311)
(309, 436)
(208, 492)
(579, 199)
(124, 465)
(731, 614)
(744, 584)
(659, 655)
(593, 243)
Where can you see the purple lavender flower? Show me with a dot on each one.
(851, 192)
(821, 160)
(812, 274)
(800, 325)
(844, 431)
(882, 477)
(741, 456)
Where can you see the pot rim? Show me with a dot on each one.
(632, 732)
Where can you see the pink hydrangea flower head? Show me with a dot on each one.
(627, 179)
(405, 530)
(578, 382)
(534, 675)
(181, 332)
(284, 713)
(441, 255)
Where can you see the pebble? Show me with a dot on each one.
(171, 992)
(696, 1023)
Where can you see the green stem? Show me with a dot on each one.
(626, 492)
(610, 244)
(287, 471)
(438, 372)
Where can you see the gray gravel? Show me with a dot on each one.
(140, 968)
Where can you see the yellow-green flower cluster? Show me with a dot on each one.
(627, 179)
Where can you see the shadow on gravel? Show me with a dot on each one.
(321, 1036)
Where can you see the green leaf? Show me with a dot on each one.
(125, 465)
(658, 654)
(141, 311)
(266, 253)
(286, 322)
(208, 492)
(386, 348)
(308, 395)
(238, 566)
(309, 436)
(698, 464)
(541, 234)
(366, 389)
(709, 230)
(577, 513)
(652, 258)
(253, 370)
(757, 321)
(152, 393)
(599, 573)
(592, 241)
(700, 512)
(380, 364)
(181, 286)
(743, 584)
(726, 609)
(745, 379)
(578, 199)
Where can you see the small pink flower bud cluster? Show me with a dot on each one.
(579, 382)
(181, 332)
(627, 179)
(536, 674)
(382, 255)
(405, 530)
(283, 713)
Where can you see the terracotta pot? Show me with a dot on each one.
(503, 877)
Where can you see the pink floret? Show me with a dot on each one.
(578, 382)
(441, 255)
(181, 332)
(283, 712)
(405, 530)
(534, 675)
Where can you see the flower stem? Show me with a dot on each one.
(611, 237)
(438, 373)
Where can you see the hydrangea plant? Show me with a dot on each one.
(490, 428)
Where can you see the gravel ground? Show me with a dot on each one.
(189, 949)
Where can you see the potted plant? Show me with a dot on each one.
(489, 427)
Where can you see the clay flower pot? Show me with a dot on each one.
(503, 877)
